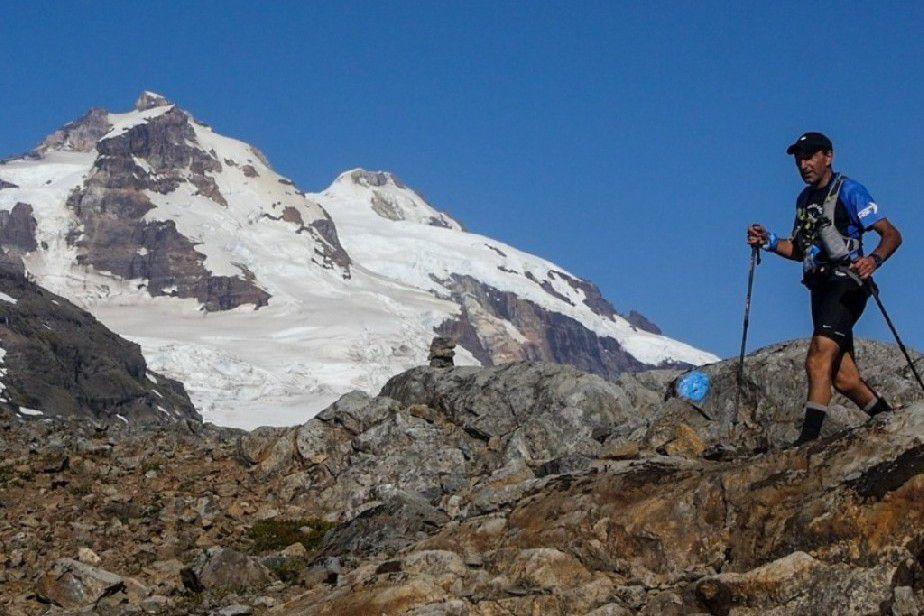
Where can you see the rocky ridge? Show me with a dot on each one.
(518, 489)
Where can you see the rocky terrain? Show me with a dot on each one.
(518, 489)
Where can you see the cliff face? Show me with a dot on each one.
(483, 329)
(112, 204)
(524, 489)
(57, 360)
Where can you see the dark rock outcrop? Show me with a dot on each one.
(592, 296)
(641, 322)
(441, 352)
(594, 300)
(550, 336)
(150, 100)
(60, 361)
(375, 178)
(111, 206)
(332, 251)
(79, 136)
(384, 205)
(17, 229)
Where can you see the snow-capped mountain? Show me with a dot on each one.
(269, 303)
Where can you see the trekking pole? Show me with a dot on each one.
(755, 261)
(874, 291)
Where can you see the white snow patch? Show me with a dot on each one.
(2, 372)
(55, 267)
(30, 412)
(122, 122)
(402, 202)
(7, 298)
(122, 418)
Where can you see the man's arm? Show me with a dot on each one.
(787, 250)
(890, 240)
(759, 236)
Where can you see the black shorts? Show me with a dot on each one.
(837, 303)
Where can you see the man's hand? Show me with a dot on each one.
(758, 235)
(864, 267)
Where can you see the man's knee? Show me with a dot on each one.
(821, 355)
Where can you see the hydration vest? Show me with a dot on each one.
(817, 235)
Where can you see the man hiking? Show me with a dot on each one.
(832, 214)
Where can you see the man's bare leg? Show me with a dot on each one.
(823, 357)
(847, 381)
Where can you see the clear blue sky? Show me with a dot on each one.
(630, 143)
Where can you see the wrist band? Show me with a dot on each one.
(772, 242)
(877, 259)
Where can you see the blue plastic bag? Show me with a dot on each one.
(693, 386)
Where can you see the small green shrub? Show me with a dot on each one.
(81, 488)
(150, 465)
(279, 534)
(288, 569)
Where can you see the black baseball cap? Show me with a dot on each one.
(809, 143)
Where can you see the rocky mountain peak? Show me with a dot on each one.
(79, 136)
(150, 100)
(363, 177)
(388, 197)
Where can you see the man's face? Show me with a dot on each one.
(812, 167)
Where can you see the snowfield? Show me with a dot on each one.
(422, 254)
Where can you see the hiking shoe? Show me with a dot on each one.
(811, 425)
(881, 406)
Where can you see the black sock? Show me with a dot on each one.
(811, 425)
(878, 406)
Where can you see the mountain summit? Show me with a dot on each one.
(149, 100)
(268, 302)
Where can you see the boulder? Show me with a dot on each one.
(72, 584)
(227, 570)
(400, 520)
